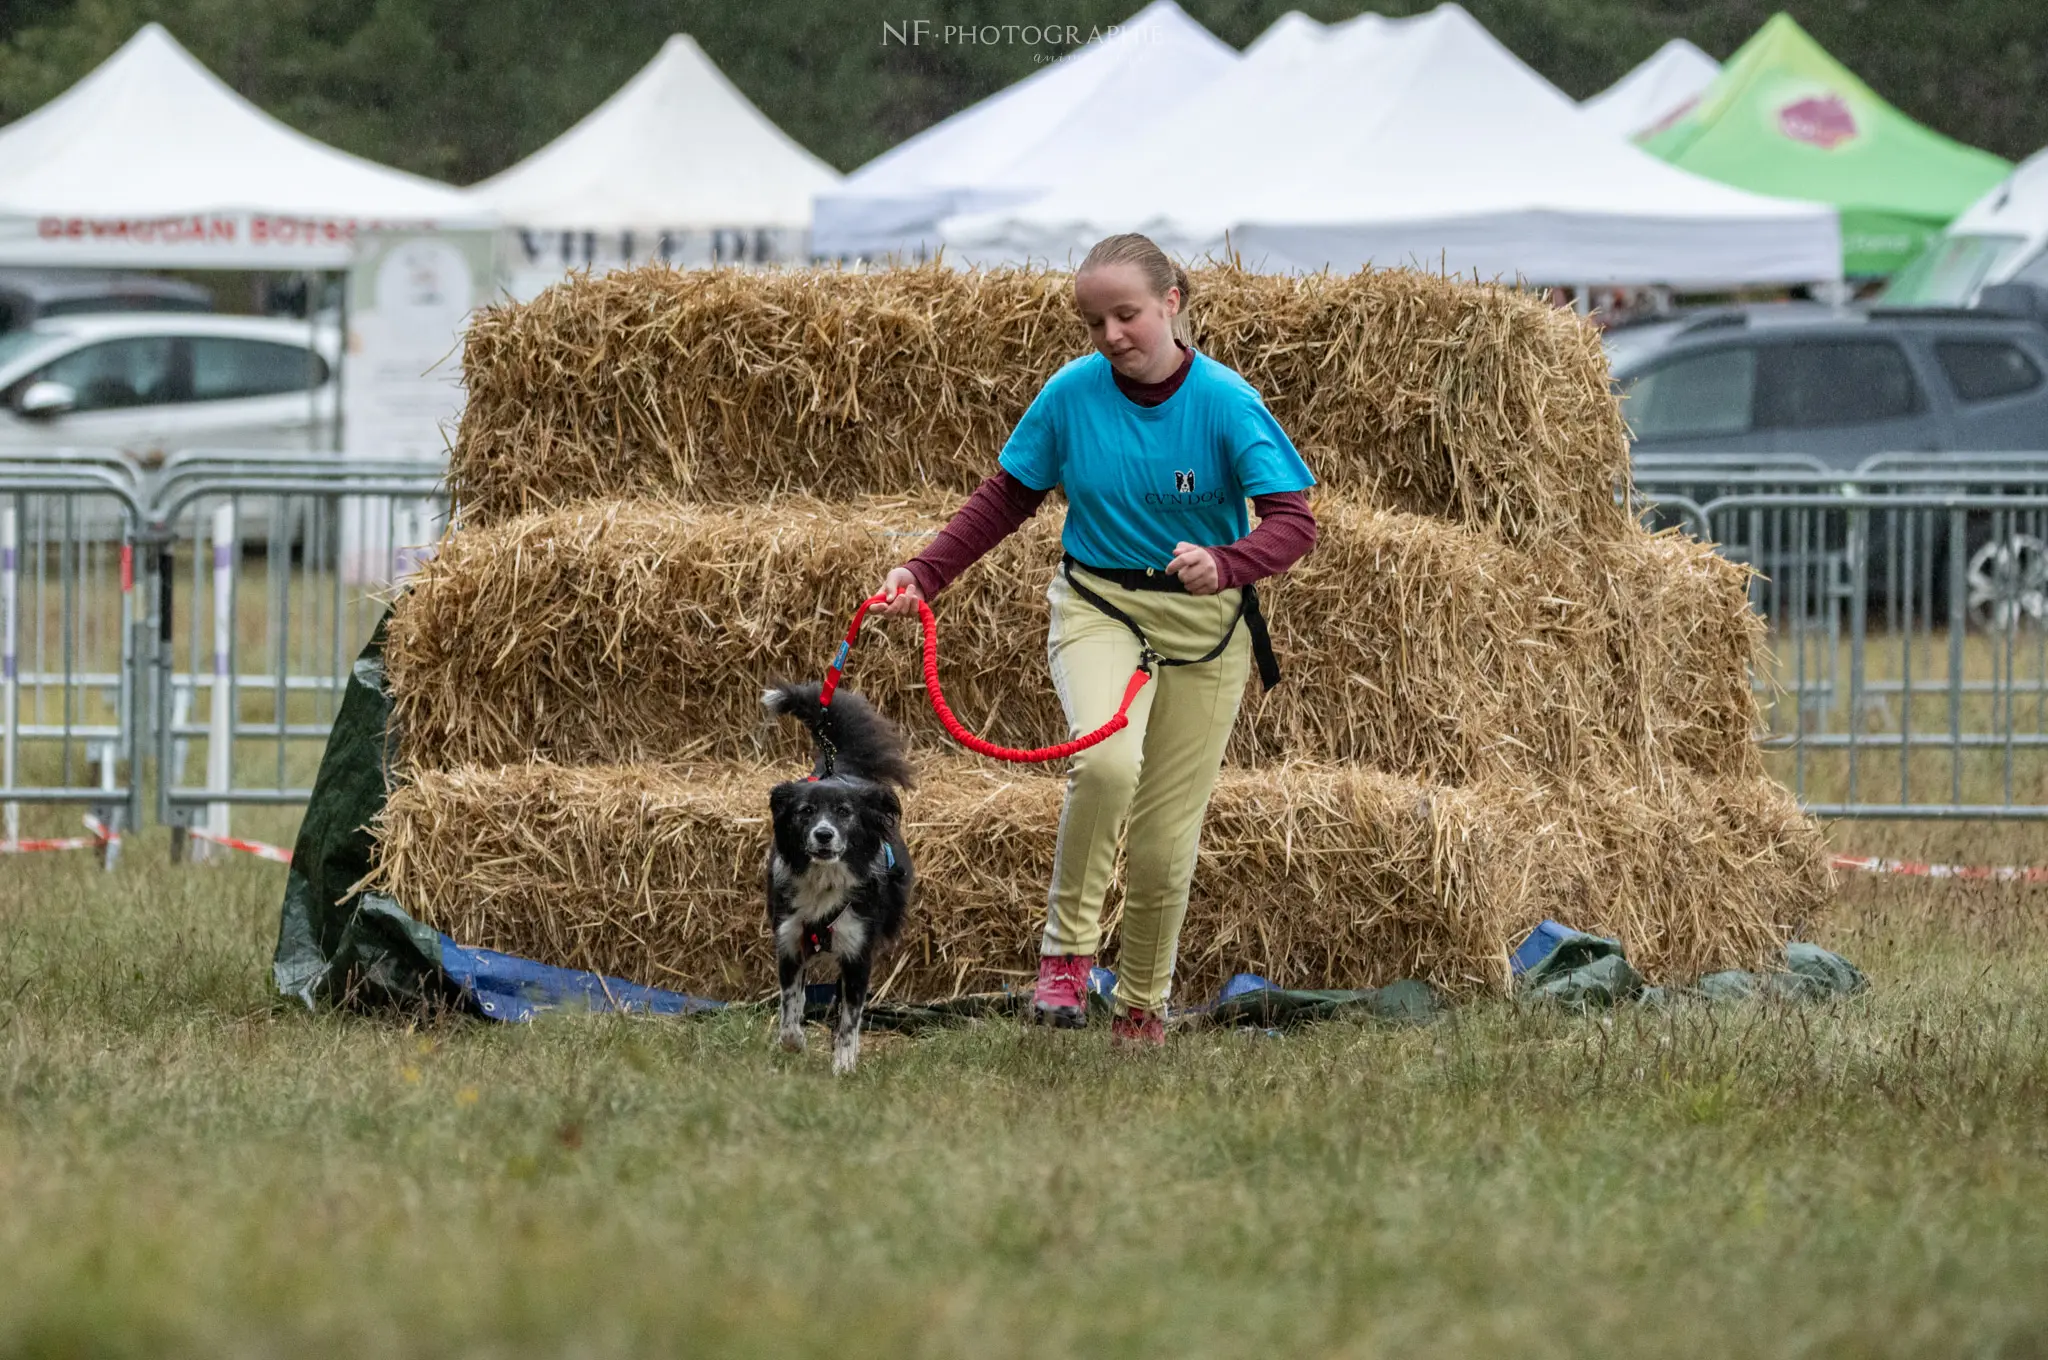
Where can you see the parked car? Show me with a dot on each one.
(31, 295)
(146, 384)
(1840, 385)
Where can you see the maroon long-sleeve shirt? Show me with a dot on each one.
(1285, 532)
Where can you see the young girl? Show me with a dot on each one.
(1157, 447)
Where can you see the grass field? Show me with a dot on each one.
(188, 1167)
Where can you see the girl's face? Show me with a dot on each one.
(1127, 324)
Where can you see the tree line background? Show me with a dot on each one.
(460, 89)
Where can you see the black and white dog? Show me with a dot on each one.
(839, 874)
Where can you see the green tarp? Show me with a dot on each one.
(1585, 971)
(331, 945)
(1787, 119)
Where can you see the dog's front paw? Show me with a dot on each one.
(845, 1053)
(791, 1037)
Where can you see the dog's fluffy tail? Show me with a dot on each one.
(864, 744)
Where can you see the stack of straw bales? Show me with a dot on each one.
(1504, 701)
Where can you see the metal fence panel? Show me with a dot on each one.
(270, 583)
(1907, 610)
(70, 638)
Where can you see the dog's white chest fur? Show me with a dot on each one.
(819, 889)
(815, 894)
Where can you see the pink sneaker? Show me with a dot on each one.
(1062, 996)
(1138, 1029)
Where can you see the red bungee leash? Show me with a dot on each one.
(952, 724)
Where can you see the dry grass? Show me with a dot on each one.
(629, 631)
(1479, 404)
(1313, 876)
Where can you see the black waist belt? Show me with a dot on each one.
(1133, 578)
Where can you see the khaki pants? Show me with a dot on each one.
(1157, 773)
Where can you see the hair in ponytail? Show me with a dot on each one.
(1160, 271)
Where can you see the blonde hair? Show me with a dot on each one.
(1161, 271)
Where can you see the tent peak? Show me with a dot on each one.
(1289, 27)
(678, 146)
(1682, 47)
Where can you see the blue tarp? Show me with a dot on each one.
(506, 987)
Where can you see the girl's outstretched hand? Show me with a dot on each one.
(1197, 569)
(900, 593)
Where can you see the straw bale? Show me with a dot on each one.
(628, 631)
(1664, 629)
(1309, 875)
(621, 632)
(1478, 403)
(1693, 875)
(654, 873)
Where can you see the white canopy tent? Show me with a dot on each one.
(152, 161)
(677, 165)
(1655, 92)
(1419, 141)
(1009, 147)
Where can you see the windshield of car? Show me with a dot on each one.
(1694, 396)
(2034, 271)
(1949, 272)
(100, 303)
(1627, 344)
(14, 344)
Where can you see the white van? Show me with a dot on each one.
(2001, 238)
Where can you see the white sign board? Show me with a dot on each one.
(410, 294)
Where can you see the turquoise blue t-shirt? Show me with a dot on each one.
(1140, 479)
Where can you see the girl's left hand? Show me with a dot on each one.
(1197, 569)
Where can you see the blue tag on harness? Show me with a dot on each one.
(839, 660)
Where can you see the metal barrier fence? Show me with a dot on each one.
(69, 643)
(281, 575)
(1907, 608)
(202, 616)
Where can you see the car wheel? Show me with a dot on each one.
(2007, 582)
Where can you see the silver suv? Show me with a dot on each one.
(1839, 385)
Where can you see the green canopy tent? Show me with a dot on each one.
(1787, 119)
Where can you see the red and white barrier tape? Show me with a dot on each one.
(100, 836)
(1979, 873)
(58, 843)
(259, 849)
(103, 835)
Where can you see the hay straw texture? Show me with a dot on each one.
(1311, 876)
(630, 631)
(1504, 701)
(1479, 404)
(1668, 636)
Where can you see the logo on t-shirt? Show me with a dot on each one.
(1184, 493)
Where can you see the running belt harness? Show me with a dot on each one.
(1247, 610)
(1135, 579)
